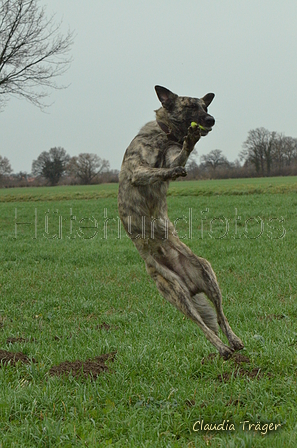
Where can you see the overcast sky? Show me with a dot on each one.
(242, 50)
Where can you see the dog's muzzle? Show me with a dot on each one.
(206, 125)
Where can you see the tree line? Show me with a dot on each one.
(55, 167)
(264, 153)
(270, 152)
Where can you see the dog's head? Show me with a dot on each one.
(180, 111)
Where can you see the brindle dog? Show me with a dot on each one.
(155, 156)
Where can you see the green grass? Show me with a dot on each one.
(60, 193)
(228, 187)
(56, 289)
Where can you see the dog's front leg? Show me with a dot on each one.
(189, 143)
(143, 175)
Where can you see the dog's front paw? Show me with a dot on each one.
(193, 135)
(179, 171)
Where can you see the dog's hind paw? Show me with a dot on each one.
(226, 352)
(236, 344)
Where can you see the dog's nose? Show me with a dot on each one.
(209, 121)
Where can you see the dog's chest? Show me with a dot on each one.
(154, 156)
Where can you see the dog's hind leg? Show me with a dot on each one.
(173, 290)
(198, 276)
(212, 290)
(202, 274)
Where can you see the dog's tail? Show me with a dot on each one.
(206, 312)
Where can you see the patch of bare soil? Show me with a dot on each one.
(103, 326)
(255, 373)
(107, 327)
(13, 358)
(238, 358)
(90, 367)
(13, 340)
(240, 372)
(270, 317)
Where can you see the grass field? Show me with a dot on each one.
(234, 187)
(73, 287)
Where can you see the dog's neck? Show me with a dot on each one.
(172, 132)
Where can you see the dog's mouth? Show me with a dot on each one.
(204, 130)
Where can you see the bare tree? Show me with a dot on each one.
(258, 149)
(192, 166)
(51, 165)
(279, 151)
(214, 159)
(5, 168)
(285, 151)
(87, 166)
(33, 52)
(290, 150)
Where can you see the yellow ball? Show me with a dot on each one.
(194, 124)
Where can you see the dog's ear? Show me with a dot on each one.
(208, 98)
(166, 97)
